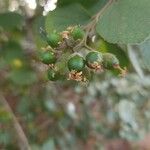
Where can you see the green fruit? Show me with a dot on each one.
(54, 39)
(48, 57)
(76, 63)
(53, 75)
(94, 58)
(77, 33)
(110, 61)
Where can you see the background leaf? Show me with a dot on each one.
(23, 77)
(145, 53)
(11, 51)
(135, 60)
(125, 21)
(11, 20)
(63, 17)
(97, 6)
(85, 3)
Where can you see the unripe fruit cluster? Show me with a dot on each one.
(55, 39)
(94, 61)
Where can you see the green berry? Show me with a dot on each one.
(77, 33)
(54, 39)
(110, 61)
(53, 75)
(48, 57)
(76, 63)
(94, 59)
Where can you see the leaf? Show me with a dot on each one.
(11, 20)
(23, 77)
(92, 6)
(11, 51)
(135, 60)
(5, 138)
(97, 6)
(63, 17)
(125, 21)
(5, 116)
(85, 3)
(145, 53)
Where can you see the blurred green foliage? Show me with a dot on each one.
(67, 115)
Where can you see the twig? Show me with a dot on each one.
(22, 139)
(102, 10)
(96, 17)
(91, 26)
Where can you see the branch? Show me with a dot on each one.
(96, 17)
(90, 27)
(22, 139)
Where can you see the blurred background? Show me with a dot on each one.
(110, 113)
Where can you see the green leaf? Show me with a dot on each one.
(5, 138)
(145, 53)
(5, 116)
(23, 76)
(11, 51)
(125, 21)
(63, 17)
(85, 3)
(92, 6)
(132, 52)
(11, 20)
(97, 6)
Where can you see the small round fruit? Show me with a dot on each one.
(53, 75)
(110, 61)
(53, 39)
(76, 63)
(48, 57)
(94, 59)
(77, 33)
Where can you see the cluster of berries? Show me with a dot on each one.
(76, 63)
